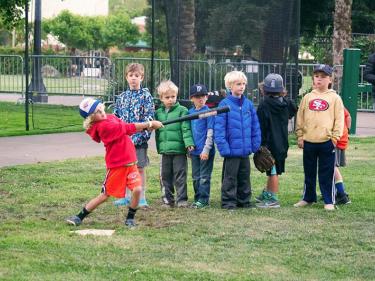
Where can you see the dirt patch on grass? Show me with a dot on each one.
(5, 193)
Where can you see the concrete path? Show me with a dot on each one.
(63, 100)
(365, 124)
(51, 147)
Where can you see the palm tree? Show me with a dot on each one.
(342, 31)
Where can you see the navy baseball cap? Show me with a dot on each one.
(273, 83)
(325, 68)
(198, 90)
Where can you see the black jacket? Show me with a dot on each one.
(274, 113)
(369, 72)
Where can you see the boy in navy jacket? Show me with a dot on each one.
(274, 113)
(237, 135)
(202, 157)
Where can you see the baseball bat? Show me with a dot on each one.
(199, 115)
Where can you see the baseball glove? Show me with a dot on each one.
(263, 159)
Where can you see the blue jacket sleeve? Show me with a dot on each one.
(256, 135)
(220, 133)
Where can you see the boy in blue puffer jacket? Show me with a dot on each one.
(237, 135)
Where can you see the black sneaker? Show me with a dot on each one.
(342, 199)
(74, 220)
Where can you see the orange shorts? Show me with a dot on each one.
(118, 179)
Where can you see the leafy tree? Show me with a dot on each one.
(133, 8)
(363, 16)
(230, 23)
(119, 31)
(161, 40)
(92, 32)
(70, 29)
(11, 12)
(319, 15)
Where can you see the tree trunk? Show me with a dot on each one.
(342, 32)
(180, 19)
(187, 24)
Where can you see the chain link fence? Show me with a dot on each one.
(101, 77)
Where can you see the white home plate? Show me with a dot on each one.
(97, 232)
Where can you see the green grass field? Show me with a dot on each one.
(43, 118)
(65, 85)
(184, 244)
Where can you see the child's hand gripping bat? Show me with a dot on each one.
(199, 115)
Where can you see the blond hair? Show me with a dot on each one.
(165, 87)
(89, 120)
(234, 76)
(135, 67)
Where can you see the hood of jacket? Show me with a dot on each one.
(276, 104)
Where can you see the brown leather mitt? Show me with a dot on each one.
(263, 159)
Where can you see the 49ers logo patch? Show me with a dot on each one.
(318, 105)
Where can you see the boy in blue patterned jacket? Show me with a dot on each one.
(237, 135)
(133, 106)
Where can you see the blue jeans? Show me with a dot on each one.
(201, 172)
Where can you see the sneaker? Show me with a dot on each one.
(244, 205)
(167, 205)
(229, 208)
(329, 207)
(261, 196)
(200, 205)
(130, 223)
(270, 200)
(342, 199)
(122, 202)
(302, 203)
(182, 204)
(194, 205)
(143, 203)
(268, 204)
(74, 220)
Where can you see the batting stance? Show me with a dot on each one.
(320, 124)
(120, 158)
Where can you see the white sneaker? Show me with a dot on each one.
(329, 207)
(301, 203)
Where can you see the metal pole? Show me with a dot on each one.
(152, 45)
(178, 46)
(296, 73)
(37, 84)
(350, 84)
(27, 64)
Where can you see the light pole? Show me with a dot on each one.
(27, 65)
(37, 85)
(152, 45)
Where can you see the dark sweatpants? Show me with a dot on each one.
(173, 173)
(236, 188)
(321, 156)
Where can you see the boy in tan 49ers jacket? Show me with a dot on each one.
(320, 124)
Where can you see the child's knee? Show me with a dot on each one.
(137, 190)
(103, 197)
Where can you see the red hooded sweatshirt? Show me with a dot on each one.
(114, 133)
(343, 142)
